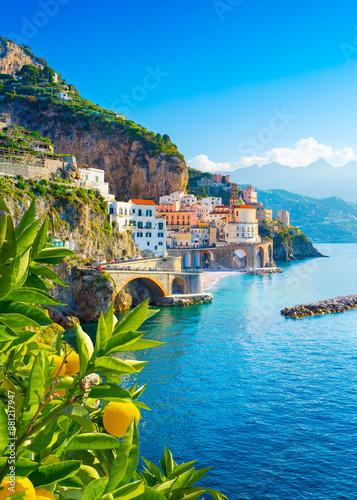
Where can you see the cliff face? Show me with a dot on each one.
(13, 57)
(70, 219)
(294, 248)
(132, 172)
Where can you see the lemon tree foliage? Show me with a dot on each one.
(63, 450)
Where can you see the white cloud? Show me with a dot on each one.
(304, 152)
(203, 163)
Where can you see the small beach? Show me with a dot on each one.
(211, 278)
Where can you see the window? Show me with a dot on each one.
(148, 225)
(96, 179)
(120, 211)
(139, 213)
(161, 235)
(140, 225)
(160, 243)
(111, 210)
(126, 211)
(148, 213)
(133, 211)
(148, 243)
(86, 177)
(139, 235)
(161, 225)
(148, 235)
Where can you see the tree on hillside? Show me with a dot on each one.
(28, 73)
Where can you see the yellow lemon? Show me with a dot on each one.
(17, 486)
(43, 494)
(118, 416)
(58, 362)
(72, 365)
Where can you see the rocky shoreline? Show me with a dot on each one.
(328, 306)
(265, 270)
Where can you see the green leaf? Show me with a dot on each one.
(54, 473)
(46, 272)
(3, 226)
(110, 391)
(197, 475)
(179, 469)
(27, 219)
(113, 366)
(133, 319)
(95, 489)
(87, 474)
(92, 441)
(101, 337)
(3, 206)
(139, 345)
(121, 461)
(8, 248)
(187, 493)
(33, 281)
(57, 343)
(137, 392)
(109, 320)
(16, 321)
(23, 269)
(9, 386)
(4, 433)
(140, 404)
(37, 384)
(6, 336)
(122, 339)
(151, 494)
(33, 313)
(169, 461)
(129, 491)
(33, 296)
(133, 444)
(53, 255)
(216, 494)
(24, 467)
(8, 279)
(154, 469)
(26, 238)
(85, 349)
(40, 240)
(79, 414)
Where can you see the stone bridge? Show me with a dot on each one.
(233, 256)
(160, 282)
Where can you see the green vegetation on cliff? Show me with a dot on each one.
(39, 86)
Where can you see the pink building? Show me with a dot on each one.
(218, 178)
(250, 195)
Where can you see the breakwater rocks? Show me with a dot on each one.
(184, 300)
(328, 306)
(265, 270)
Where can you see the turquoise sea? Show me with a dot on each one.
(270, 402)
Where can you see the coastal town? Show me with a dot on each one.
(175, 224)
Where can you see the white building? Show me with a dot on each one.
(241, 232)
(94, 177)
(211, 201)
(170, 198)
(65, 97)
(188, 199)
(202, 211)
(139, 216)
(120, 213)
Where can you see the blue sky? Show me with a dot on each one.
(232, 82)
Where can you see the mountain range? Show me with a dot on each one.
(329, 220)
(319, 179)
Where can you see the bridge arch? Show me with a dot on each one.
(178, 285)
(240, 258)
(155, 287)
(187, 260)
(197, 258)
(259, 257)
(207, 257)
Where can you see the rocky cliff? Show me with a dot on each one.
(72, 215)
(138, 163)
(13, 57)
